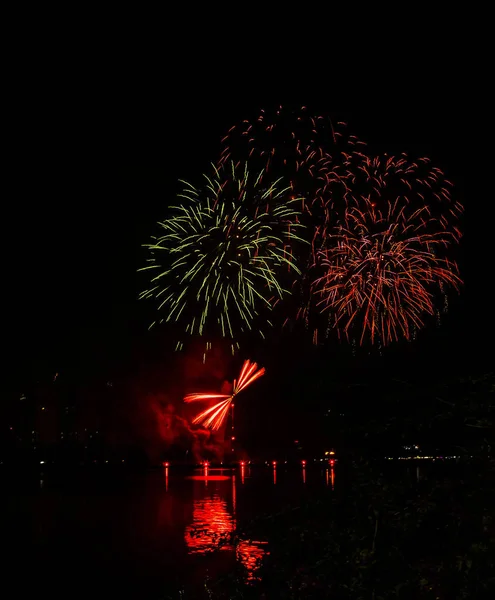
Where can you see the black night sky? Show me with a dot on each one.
(94, 163)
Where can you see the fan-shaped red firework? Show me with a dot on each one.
(214, 416)
(387, 259)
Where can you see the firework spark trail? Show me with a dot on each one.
(218, 263)
(277, 138)
(386, 260)
(319, 158)
(214, 416)
(306, 148)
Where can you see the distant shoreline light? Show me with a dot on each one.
(422, 457)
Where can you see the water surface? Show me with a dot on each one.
(143, 535)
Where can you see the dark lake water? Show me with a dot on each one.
(142, 535)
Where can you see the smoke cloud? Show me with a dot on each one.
(162, 422)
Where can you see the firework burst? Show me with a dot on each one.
(385, 262)
(214, 416)
(303, 147)
(316, 155)
(219, 264)
(281, 139)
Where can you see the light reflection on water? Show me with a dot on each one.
(160, 527)
(146, 535)
(250, 554)
(214, 523)
(330, 477)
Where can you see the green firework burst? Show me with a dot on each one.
(225, 254)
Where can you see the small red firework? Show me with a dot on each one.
(214, 416)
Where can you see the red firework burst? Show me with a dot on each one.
(385, 261)
(214, 416)
(305, 148)
(281, 137)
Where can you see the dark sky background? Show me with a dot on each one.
(94, 160)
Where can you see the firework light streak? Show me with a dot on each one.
(218, 262)
(319, 158)
(306, 148)
(384, 262)
(214, 416)
(278, 138)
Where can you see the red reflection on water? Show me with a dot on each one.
(332, 477)
(250, 554)
(208, 476)
(212, 523)
(212, 526)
